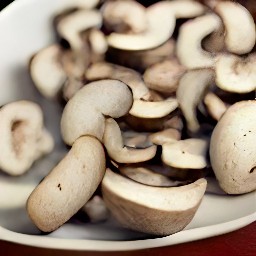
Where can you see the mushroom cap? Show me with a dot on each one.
(47, 72)
(154, 210)
(188, 153)
(235, 74)
(68, 186)
(240, 27)
(189, 49)
(84, 113)
(113, 142)
(232, 148)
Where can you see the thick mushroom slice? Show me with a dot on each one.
(164, 12)
(164, 76)
(47, 72)
(240, 27)
(113, 142)
(189, 153)
(153, 210)
(190, 92)
(189, 44)
(23, 138)
(236, 74)
(153, 109)
(104, 70)
(165, 136)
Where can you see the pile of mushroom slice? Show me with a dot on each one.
(152, 108)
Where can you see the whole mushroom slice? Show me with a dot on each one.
(104, 70)
(232, 148)
(47, 72)
(153, 109)
(215, 106)
(21, 129)
(68, 186)
(188, 153)
(113, 142)
(153, 210)
(84, 113)
(189, 44)
(146, 176)
(164, 76)
(240, 33)
(165, 136)
(236, 74)
(124, 16)
(191, 90)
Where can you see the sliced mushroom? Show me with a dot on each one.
(88, 4)
(215, 106)
(160, 13)
(240, 34)
(165, 136)
(84, 113)
(124, 16)
(71, 87)
(113, 142)
(191, 90)
(189, 153)
(68, 186)
(164, 76)
(136, 139)
(47, 72)
(232, 148)
(154, 210)
(22, 137)
(235, 74)
(189, 43)
(174, 122)
(148, 177)
(104, 70)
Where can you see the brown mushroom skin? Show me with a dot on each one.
(232, 148)
(69, 185)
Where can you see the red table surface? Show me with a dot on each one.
(241, 242)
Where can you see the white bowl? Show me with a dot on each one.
(26, 27)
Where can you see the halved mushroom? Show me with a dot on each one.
(23, 138)
(156, 34)
(84, 113)
(153, 109)
(236, 74)
(240, 33)
(189, 49)
(154, 210)
(215, 106)
(124, 16)
(113, 142)
(47, 72)
(188, 153)
(191, 90)
(232, 148)
(164, 76)
(165, 136)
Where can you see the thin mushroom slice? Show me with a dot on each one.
(164, 76)
(21, 131)
(146, 176)
(85, 112)
(215, 106)
(153, 210)
(189, 44)
(104, 70)
(191, 90)
(113, 142)
(71, 183)
(189, 153)
(240, 27)
(165, 136)
(47, 72)
(151, 109)
(236, 74)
